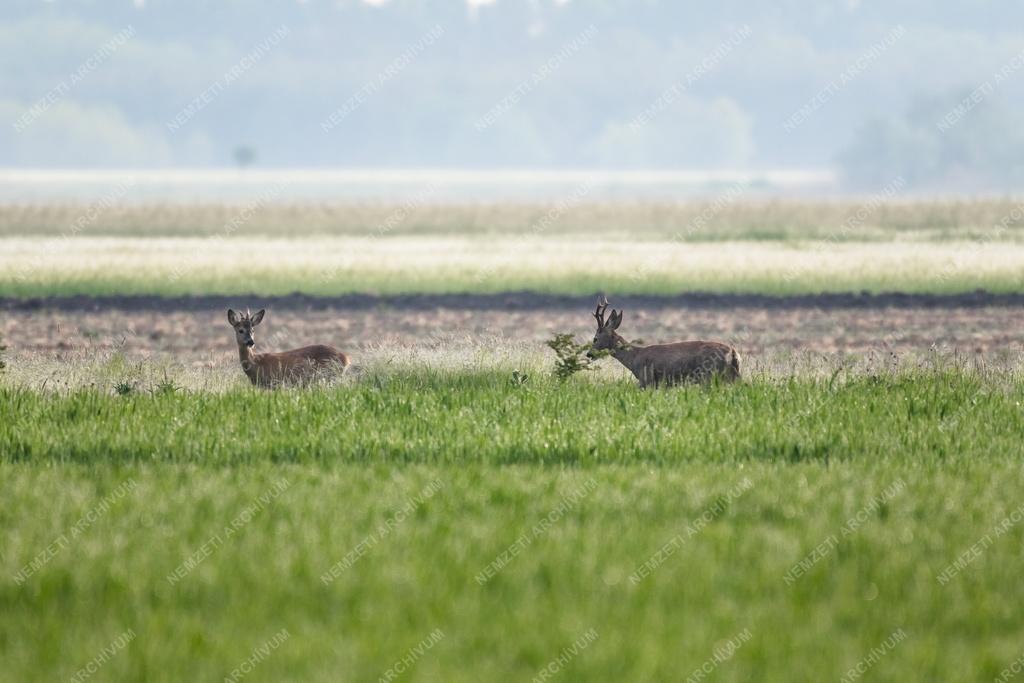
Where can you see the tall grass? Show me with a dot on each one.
(919, 416)
(817, 516)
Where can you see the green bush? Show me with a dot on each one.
(124, 388)
(572, 357)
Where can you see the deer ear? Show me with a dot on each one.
(258, 318)
(232, 317)
(616, 319)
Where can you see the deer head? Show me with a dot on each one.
(607, 338)
(243, 326)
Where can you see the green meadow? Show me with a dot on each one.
(444, 518)
(460, 526)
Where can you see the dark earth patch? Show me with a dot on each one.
(511, 301)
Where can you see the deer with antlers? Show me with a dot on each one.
(274, 369)
(663, 364)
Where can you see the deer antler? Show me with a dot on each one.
(602, 305)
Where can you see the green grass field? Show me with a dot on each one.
(431, 518)
(458, 417)
(477, 529)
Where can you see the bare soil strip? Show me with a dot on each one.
(192, 327)
(511, 301)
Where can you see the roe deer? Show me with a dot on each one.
(271, 369)
(656, 364)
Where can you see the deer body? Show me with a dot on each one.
(665, 364)
(273, 369)
(688, 361)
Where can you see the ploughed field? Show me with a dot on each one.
(451, 511)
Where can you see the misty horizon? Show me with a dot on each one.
(923, 91)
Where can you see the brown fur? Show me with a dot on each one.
(666, 364)
(284, 367)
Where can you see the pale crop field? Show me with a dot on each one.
(580, 246)
(391, 265)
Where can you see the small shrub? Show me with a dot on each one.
(124, 388)
(571, 357)
(2, 349)
(518, 378)
(165, 386)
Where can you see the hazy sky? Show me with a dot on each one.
(542, 83)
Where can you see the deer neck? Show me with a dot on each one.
(626, 354)
(249, 358)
